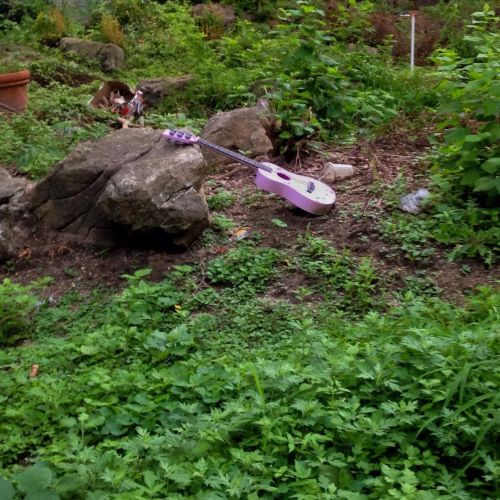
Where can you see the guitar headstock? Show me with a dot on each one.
(180, 137)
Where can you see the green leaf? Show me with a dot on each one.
(89, 350)
(34, 479)
(491, 165)
(6, 489)
(279, 223)
(474, 138)
(141, 273)
(301, 470)
(457, 135)
(69, 483)
(484, 184)
(42, 495)
(150, 478)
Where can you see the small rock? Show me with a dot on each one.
(412, 202)
(337, 171)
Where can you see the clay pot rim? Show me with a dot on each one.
(15, 78)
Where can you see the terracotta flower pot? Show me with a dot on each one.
(14, 90)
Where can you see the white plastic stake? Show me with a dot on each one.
(412, 46)
(413, 17)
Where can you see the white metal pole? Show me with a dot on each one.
(412, 47)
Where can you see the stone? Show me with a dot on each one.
(130, 184)
(155, 89)
(337, 171)
(111, 56)
(14, 214)
(246, 130)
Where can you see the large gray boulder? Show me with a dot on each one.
(247, 130)
(111, 56)
(130, 183)
(14, 214)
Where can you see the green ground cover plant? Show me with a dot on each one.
(17, 305)
(340, 279)
(165, 393)
(463, 230)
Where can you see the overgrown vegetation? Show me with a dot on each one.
(307, 371)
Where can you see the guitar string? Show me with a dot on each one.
(243, 159)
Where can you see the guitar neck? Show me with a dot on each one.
(235, 156)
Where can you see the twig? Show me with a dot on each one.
(297, 159)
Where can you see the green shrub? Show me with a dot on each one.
(111, 30)
(211, 25)
(51, 26)
(15, 10)
(327, 90)
(468, 161)
(261, 10)
(339, 278)
(349, 19)
(471, 231)
(452, 18)
(129, 12)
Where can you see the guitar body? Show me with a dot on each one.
(304, 192)
(294, 188)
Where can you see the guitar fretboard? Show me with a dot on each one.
(235, 156)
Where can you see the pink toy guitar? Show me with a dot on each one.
(308, 194)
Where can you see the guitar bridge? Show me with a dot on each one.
(310, 186)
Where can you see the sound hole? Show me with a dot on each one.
(283, 176)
